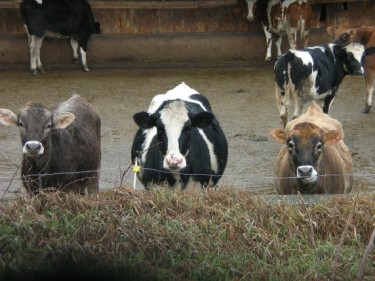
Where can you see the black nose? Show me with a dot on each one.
(305, 171)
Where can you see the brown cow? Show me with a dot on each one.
(282, 17)
(366, 36)
(313, 158)
(61, 146)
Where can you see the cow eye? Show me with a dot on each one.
(49, 126)
(319, 146)
(20, 124)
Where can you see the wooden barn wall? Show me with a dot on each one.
(231, 18)
(144, 33)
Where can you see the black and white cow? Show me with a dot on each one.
(61, 20)
(61, 146)
(179, 141)
(314, 73)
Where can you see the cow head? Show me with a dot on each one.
(352, 56)
(35, 123)
(174, 124)
(342, 35)
(251, 9)
(306, 143)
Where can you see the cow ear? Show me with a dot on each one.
(278, 135)
(331, 30)
(144, 120)
(202, 119)
(7, 117)
(332, 137)
(370, 51)
(62, 120)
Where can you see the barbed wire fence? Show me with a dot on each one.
(123, 175)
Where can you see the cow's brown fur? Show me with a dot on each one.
(366, 36)
(334, 165)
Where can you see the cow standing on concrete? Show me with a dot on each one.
(290, 17)
(365, 35)
(313, 158)
(314, 73)
(60, 20)
(179, 141)
(61, 146)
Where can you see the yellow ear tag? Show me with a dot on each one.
(136, 168)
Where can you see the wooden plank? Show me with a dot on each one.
(7, 4)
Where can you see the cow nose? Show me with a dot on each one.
(174, 161)
(304, 171)
(33, 148)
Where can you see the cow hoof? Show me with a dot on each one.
(75, 60)
(267, 59)
(366, 109)
(34, 72)
(85, 69)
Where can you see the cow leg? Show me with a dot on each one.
(370, 88)
(283, 102)
(268, 43)
(292, 38)
(74, 45)
(35, 62)
(278, 42)
(328, 101)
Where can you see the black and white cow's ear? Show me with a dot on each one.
(7, 117)
(62, 120)
(144, 120)
(370, 51)
(202, 119)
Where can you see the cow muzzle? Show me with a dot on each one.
(174, 162)
(307, 174)
(33, 148)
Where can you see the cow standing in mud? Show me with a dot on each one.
(61, 146)
(179, 141)
(314, 73)
(365, 35)
(313, 158)
(290, 17)
(60, 20)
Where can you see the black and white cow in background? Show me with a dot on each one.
(314, 73)
(61, 20)
(179, 141)
(61, 146)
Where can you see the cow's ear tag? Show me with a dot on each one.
(136, 168)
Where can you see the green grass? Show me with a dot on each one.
(225, 234)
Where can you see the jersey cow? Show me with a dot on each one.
(366, 36)
(314, 73)
(61, 146)
(61, 20)
(290, 17)
(314, 158)
(180, 141)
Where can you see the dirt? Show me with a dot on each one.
(242, 97)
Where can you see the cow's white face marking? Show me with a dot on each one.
(40, 2)
(174, 116)
(250, 5)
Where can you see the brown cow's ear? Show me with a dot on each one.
(351, 32)
(332, 137)
(278, 135)
(7, 117)
(331, 30)
(63, 119)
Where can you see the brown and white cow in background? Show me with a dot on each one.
(290, 17)
(61, 146)
(366, 36)
(314, 158)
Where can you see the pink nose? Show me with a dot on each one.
(174, 161)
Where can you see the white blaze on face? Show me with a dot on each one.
(40, 2)
(357, 50)
(174, 117)
(250, 5)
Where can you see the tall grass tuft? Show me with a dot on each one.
(224, 234)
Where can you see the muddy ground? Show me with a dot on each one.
(242, 97)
